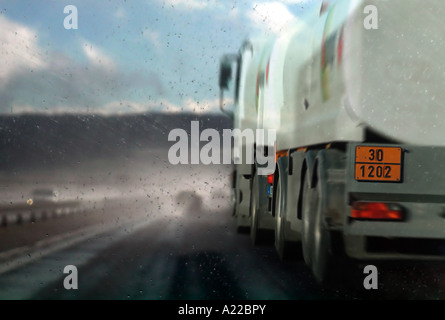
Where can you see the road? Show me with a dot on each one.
(150, 230)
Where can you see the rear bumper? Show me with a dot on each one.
(421, 233)
(394, 248)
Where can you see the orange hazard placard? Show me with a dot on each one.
(382, 164)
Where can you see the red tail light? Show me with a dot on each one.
(376, 211)
(270, 178)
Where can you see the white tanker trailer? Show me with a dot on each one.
(355, 95)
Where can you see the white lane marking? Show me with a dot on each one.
(15, 258)
(43, 263)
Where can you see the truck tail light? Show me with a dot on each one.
(270, 178)
(376, 211)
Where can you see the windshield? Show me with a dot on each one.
(117, 170)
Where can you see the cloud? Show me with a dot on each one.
(124, 107)
(153, 37)
(97, 57)
(188, 105)
(203, 106)
(112, 108)
(188, 4)
(19, 51)
(161, 105)
(31, 81)
(119, 107)
(36, 79)
(69, 86)
(270, 16)
(120, 13)
(298, 1)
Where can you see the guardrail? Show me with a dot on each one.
(16, 214)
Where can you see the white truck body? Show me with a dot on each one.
(388, 79)
(363, 78)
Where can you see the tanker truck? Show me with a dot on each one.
(354, 94)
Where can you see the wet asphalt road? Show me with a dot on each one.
(165, 232)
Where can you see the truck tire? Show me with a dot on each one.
(254, 215)
(321, 249)
(281, 245)
(307, 217)
(261, 223)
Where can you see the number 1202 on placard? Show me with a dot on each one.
(380, 164)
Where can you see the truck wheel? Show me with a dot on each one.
(254, 232)
(281, 245)
(308, 221)
(234, 194)
(321, 250)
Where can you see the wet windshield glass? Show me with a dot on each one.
(119, 170)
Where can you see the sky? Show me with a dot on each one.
(126, 56)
